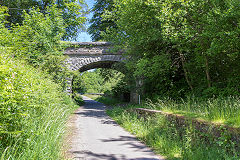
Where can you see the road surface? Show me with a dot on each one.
(98, 137)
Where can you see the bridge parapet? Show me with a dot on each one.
(91, 48)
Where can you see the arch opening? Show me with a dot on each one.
(106, 79)
(99, 64)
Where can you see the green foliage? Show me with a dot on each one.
(98, 24)
(121, 91)
(95, 82)
(4, 32)
(39, 35)
(72, 12)
(33, 107)
(90, 82)
(32, 113)
(37, 41)
(179, 47)
(203, 32)
(78, 98)
(108, 81)
(174, 141)
(18, 6)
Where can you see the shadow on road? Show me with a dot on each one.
(92, 156)
(130, 141)
(93, 109)
(101, 138)
(96, 110)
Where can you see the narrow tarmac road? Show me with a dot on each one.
(98, 137)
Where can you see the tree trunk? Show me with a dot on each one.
(185, 71)
(204, 48)
(207, 71)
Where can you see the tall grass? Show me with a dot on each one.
(45, 140)
(225, 110)
(173, 142)
(33, 111)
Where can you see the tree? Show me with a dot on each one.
(37, 41)
(73, 12)
(139, 32)
(180, 47)
(98, 24)
(205, 35)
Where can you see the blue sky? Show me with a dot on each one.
(84, 36)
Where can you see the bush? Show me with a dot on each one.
(78, 98)
(37, 41)
(121, 91)
(32, 113)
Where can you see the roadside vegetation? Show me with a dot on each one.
(33, 105)
(33, 112)
(177, 141)
(176, 48)
(78, 98)
(223, 110)
(173, 141)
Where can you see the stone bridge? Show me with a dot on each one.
(83, 56)
(89, 55)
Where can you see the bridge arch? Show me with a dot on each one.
(88, 55)
(98, 64)
(83, 56)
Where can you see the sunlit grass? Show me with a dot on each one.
(45, 142)
(169, 140)
(218, 110)
(33, 113)
(92, 96)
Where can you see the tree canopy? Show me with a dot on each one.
(180, 47)
(73, 12)
(98, 24)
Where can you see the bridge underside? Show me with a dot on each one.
(100, 64)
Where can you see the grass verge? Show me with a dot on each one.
(172, 141)
(216, 110)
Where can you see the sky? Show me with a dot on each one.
(84, 36)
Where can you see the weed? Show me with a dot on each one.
(173, 141)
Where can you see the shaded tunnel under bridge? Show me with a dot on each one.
(83, 56)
